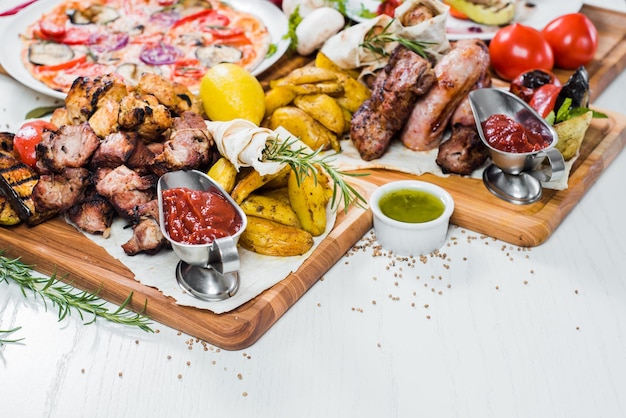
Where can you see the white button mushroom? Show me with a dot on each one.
(306, 6)
(317, 27)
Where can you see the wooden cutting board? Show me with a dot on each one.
(55, 247)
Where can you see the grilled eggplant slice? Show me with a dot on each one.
(17, 181)
(49, 53)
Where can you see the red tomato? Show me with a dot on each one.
(573, 39)
(27, 137)
(53, 26)
(517, 48)
(388, 7)
(544, 99)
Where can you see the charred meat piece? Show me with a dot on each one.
(457, 72)
(86, 94)
(70, 146)
(463, 152)
(125, 188)
(159, 87)
(60, 191)
(115, 149)
(147, 238)
(188, 146)
(104, 119)
(145, 115)
(94, 215)
(395, 91)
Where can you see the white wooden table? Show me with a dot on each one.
(491, 330)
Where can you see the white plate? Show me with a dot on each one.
(536, 16)
(11, 46)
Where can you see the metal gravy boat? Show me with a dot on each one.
(206, 271)
(512, 176)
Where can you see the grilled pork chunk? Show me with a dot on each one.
(147, 238)
(86, 94)
(125, 188)
(94, 215)
(187, 147)
(115, 149)
(60, 191)
(457, 72)
(70, 146)
(396, 88)
(145, 115)
(463, 152)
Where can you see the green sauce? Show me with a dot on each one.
(409, 205)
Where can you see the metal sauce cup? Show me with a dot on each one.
(516, 177)
(491, 101)
(207, 271)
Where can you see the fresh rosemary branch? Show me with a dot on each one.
(4, 340)
(67, 298)
(304, 161)
(376, 42)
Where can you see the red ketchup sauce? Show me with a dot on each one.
(505, 134)
(198, 217)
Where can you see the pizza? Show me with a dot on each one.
(177, 39)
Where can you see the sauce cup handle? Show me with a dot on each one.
(223, 255)
(556, 168)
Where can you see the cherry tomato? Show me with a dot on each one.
(517, 48)
(388, 7)
(573, 39)
(27, 137)
(544, 99)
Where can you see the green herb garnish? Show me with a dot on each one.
(564, 113)
(4, 333)
(271, 50)
(294, 21)
(340, 5)
(67, 298)
(376, 42)
(304, 161)
(40, 112)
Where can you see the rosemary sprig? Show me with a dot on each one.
(376, 42)
(4, 340)
(304, 161)
(67, 298)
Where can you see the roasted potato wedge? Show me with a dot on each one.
(354, 93)
(322, 61)
(267, 237)
(224, 173)
(308, 199)
(252, 181)
(305, 75)
(325, 87)
(323, 109)
(277, 97)
(271, 208)
(302, 125)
